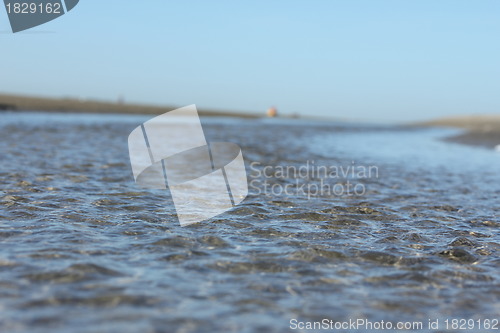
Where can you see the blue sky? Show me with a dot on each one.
(372, 60)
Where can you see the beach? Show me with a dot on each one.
(342, 222)
(250, 167)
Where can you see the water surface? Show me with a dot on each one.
(83, 249)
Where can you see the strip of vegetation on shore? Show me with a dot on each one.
(72, 105)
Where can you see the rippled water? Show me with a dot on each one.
(83, 249)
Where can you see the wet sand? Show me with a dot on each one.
(481, 130)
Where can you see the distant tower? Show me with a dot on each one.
(272, 112)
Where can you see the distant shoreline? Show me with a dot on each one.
(9, 102)
(481, 130)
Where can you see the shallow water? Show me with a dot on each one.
(83, 249)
